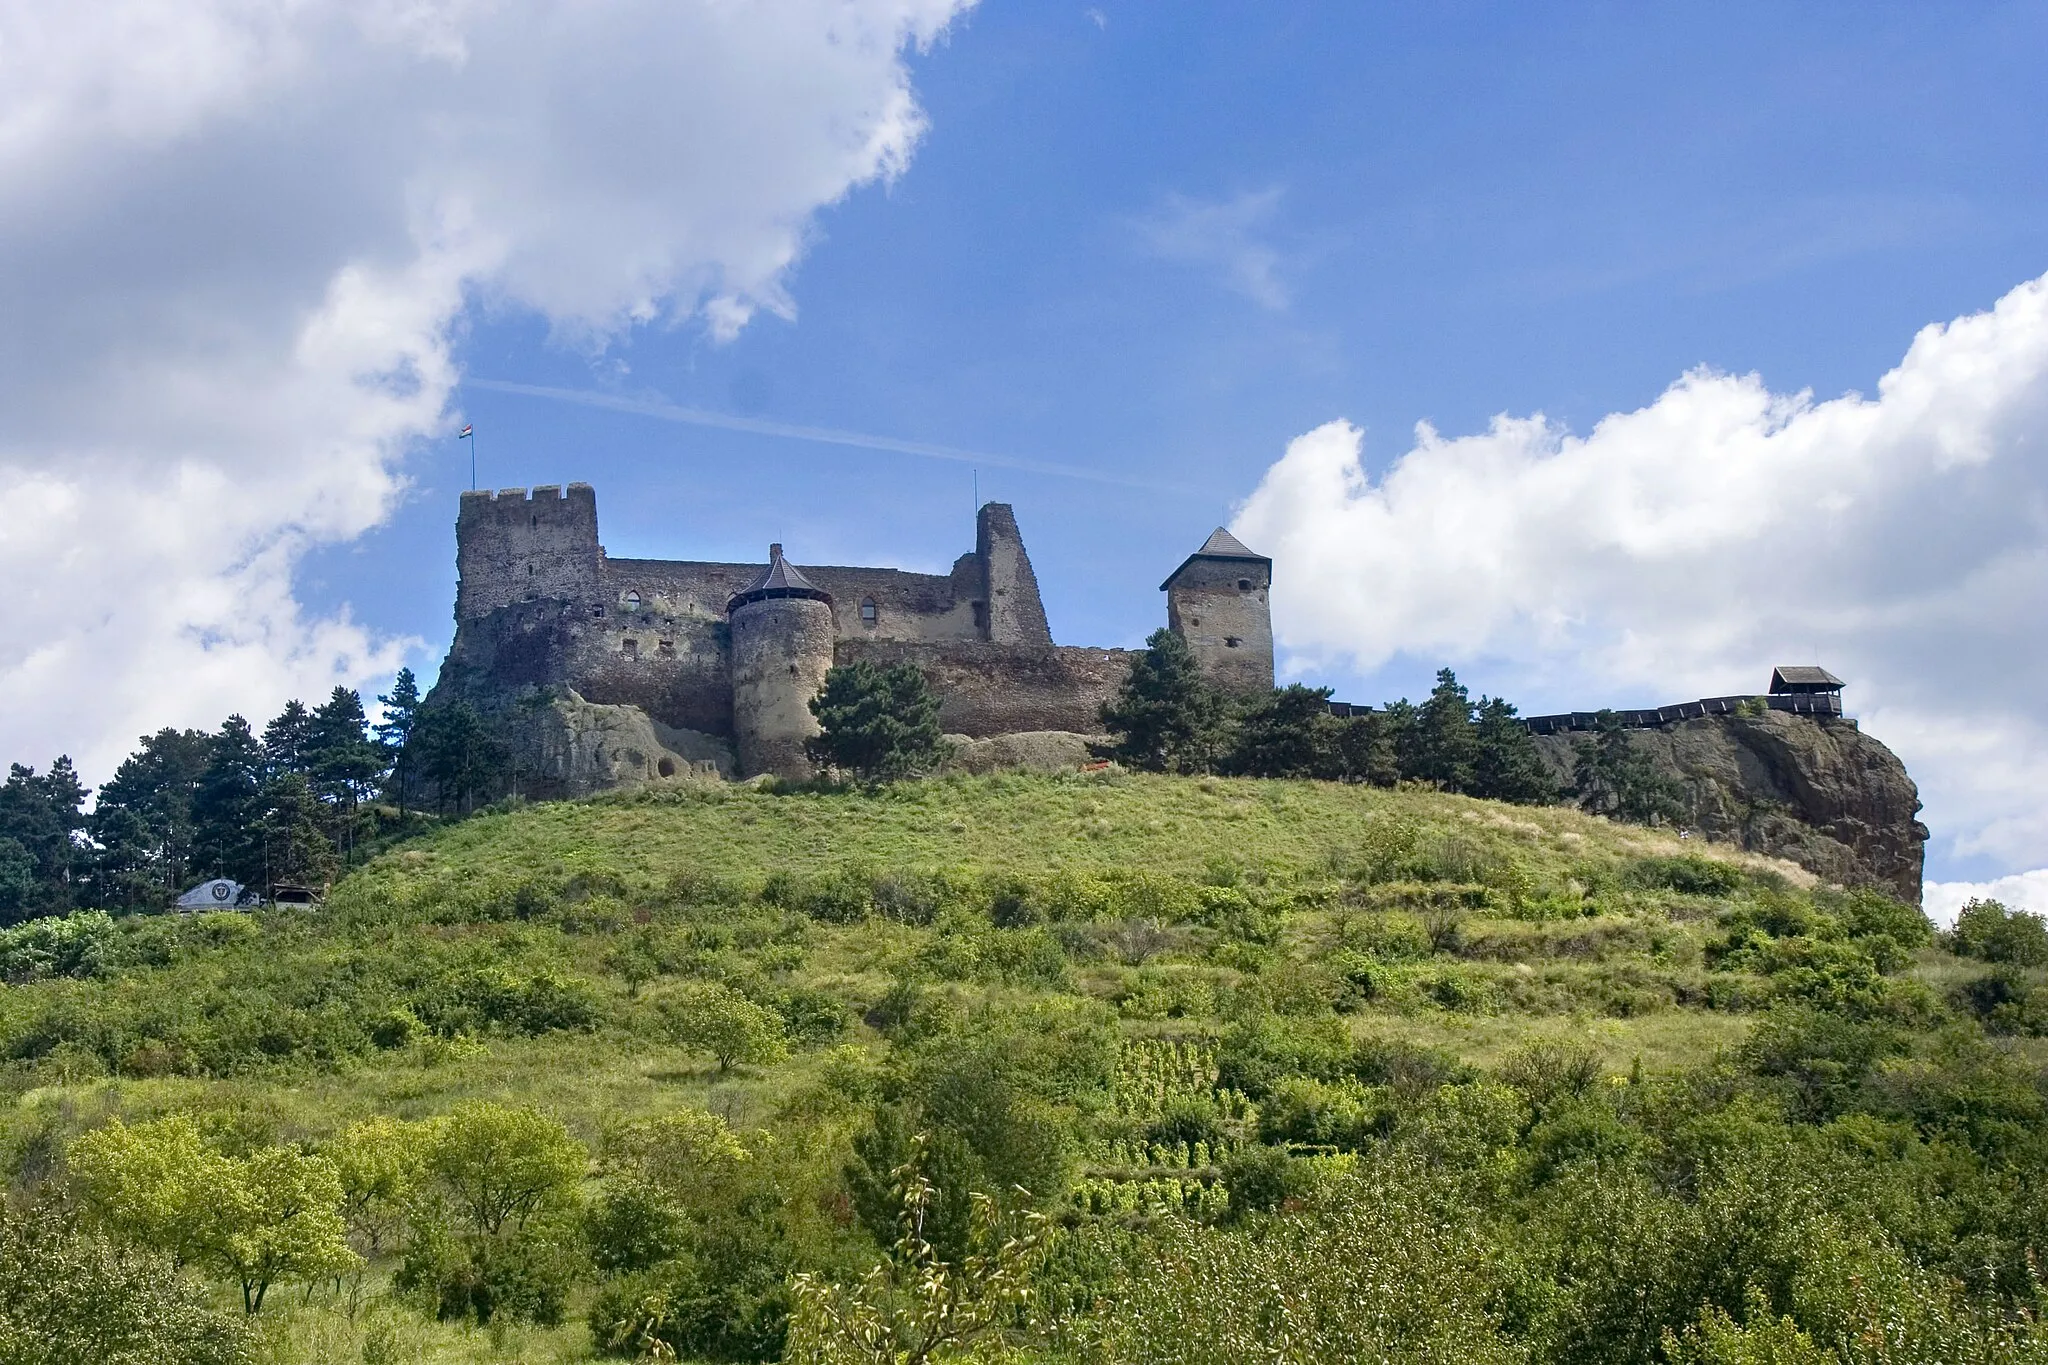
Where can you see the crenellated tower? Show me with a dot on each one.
(515, 546)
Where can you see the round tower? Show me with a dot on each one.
(781, 650)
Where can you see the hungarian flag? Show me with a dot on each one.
(466, 431)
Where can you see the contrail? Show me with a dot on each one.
(665, 411)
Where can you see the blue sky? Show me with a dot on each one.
(1153, 243)
(1161, 242)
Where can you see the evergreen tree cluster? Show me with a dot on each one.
(1167, 718)
(288, 806)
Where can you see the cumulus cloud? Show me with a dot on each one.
(1226, 237)
(237, 242)
(1684, 548)
(2021, 891)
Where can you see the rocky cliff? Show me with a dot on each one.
(1817, 791)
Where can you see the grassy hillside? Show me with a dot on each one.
(1154, 980)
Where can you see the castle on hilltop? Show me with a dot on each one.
(720, 661)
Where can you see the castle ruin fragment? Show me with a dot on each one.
(646, 668)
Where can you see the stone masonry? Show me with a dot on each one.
(541, 612)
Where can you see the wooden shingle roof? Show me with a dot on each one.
(1802, 678)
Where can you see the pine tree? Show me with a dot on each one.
(401, 712)
(1506, 765)
(1614, 776)
(42, 817)
(876, 722)
(1440, 745)
(1166, 716)
(343, 761)
(451, 748)
(296, 851)
(142, 822)
(1290, 733)
(288, 740)
(227, 805)
(1366, 744)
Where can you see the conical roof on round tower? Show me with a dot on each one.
(780, 580)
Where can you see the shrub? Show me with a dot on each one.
(1988, 931)
(79, 945)
(719, 1020)
(1689, 873)
(1260, 1180)
(68, 1297)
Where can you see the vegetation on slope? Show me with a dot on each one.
(1323, 1070)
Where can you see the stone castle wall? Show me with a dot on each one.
(541, 607)
(989, 689)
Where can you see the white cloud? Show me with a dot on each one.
(1226, 237)
(237, 238)
(2022, 891)
(1682, 549)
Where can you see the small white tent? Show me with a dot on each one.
(218, 894)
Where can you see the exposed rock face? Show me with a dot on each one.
(566, 746)
(1817, 791)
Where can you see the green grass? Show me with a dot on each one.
(1098, 823)
(1149, 906)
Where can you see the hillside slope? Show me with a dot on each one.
(1130, 994)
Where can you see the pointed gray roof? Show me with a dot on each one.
(1220, 545)
(1223, 545)
(779, 580)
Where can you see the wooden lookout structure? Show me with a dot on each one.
(1798, 680)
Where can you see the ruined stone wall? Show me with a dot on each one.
(1015, 612)
(512, 547)
(991, 689)
(1219, 607)
(908, 606)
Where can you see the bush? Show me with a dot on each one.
(71, 1298)
(719, 1020)
(1992, 933)
(523, 1276)
(1689, 873)
(1260, 1180)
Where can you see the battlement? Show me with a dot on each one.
(517, 545)
(544, 500)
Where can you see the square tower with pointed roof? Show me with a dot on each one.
(1217, 601)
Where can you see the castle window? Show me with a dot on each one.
(630, 648)
(867, 611)
(597, 610)
(1231, 642)
(529, 571)
(665, 650)
(1244, 585)
(981, 616)
(633, 600)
